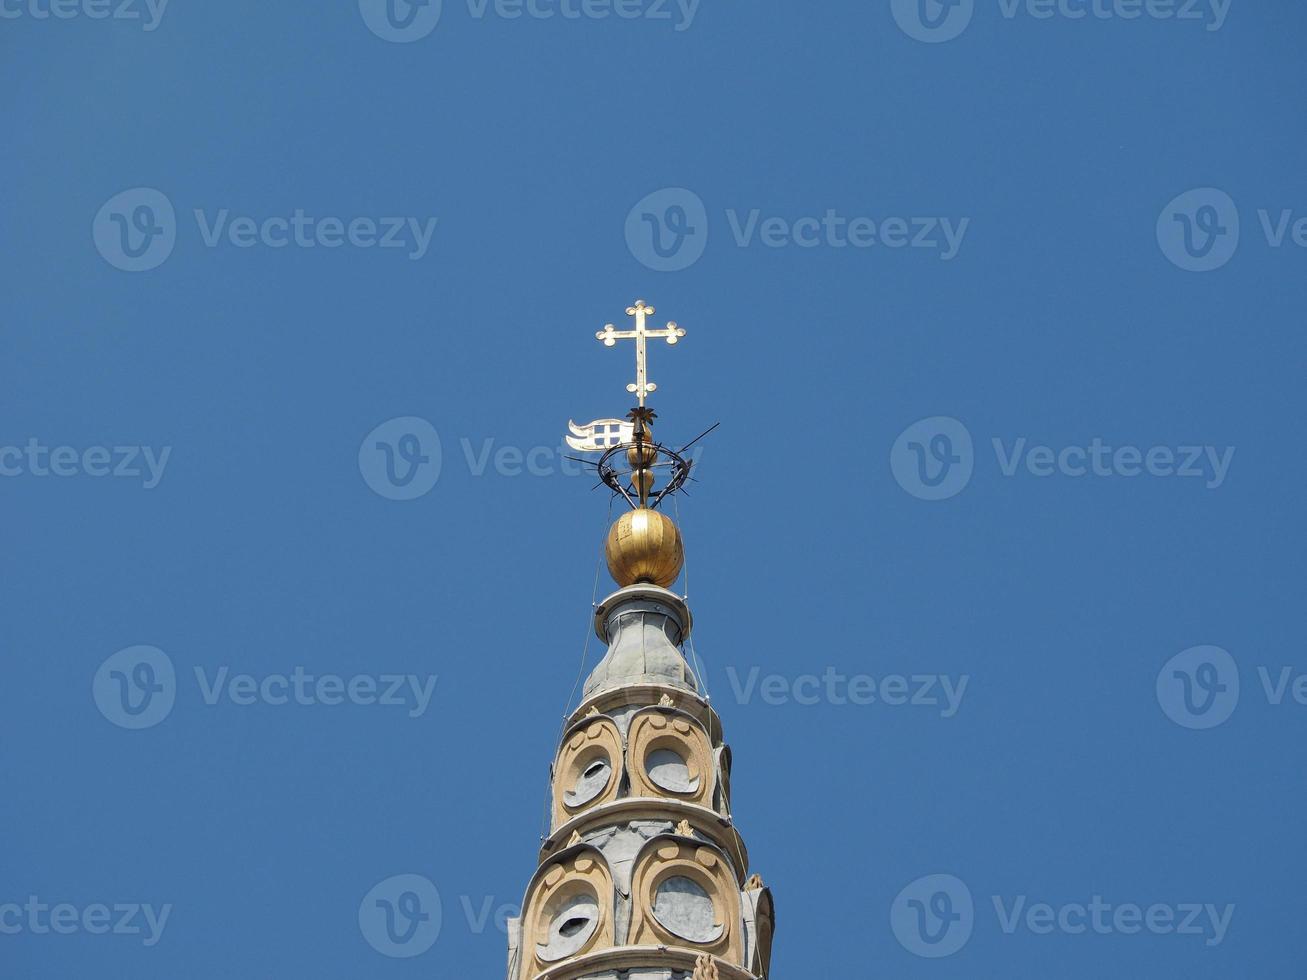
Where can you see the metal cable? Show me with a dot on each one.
(685, 592)
(585, 654)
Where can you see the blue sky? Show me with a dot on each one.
(993, 559)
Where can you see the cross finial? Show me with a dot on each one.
(610, 336)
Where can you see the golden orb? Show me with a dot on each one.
(644, 546)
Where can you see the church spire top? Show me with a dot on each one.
(644, 545)
(643, 872)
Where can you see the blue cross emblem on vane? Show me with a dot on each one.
(599, 435)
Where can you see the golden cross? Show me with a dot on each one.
(640, 334)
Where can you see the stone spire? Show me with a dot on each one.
(643, 875)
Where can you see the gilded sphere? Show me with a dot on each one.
(644, 546)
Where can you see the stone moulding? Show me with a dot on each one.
(602, 759)
(646, 695)
(760, 913)
(590, 769)
(669, 858)
(579, 875)
(668, 730)
(714, 828)
(639, 957)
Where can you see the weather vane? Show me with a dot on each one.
(633, 439)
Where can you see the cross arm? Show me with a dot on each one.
(610, 336)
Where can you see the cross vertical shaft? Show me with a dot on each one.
(641, 353)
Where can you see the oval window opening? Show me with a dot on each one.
(668, 770)
(589, 783)
(685, 909)
(572, 926)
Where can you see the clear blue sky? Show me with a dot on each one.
(1081, 304)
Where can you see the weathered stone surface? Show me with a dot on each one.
(644, 876)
